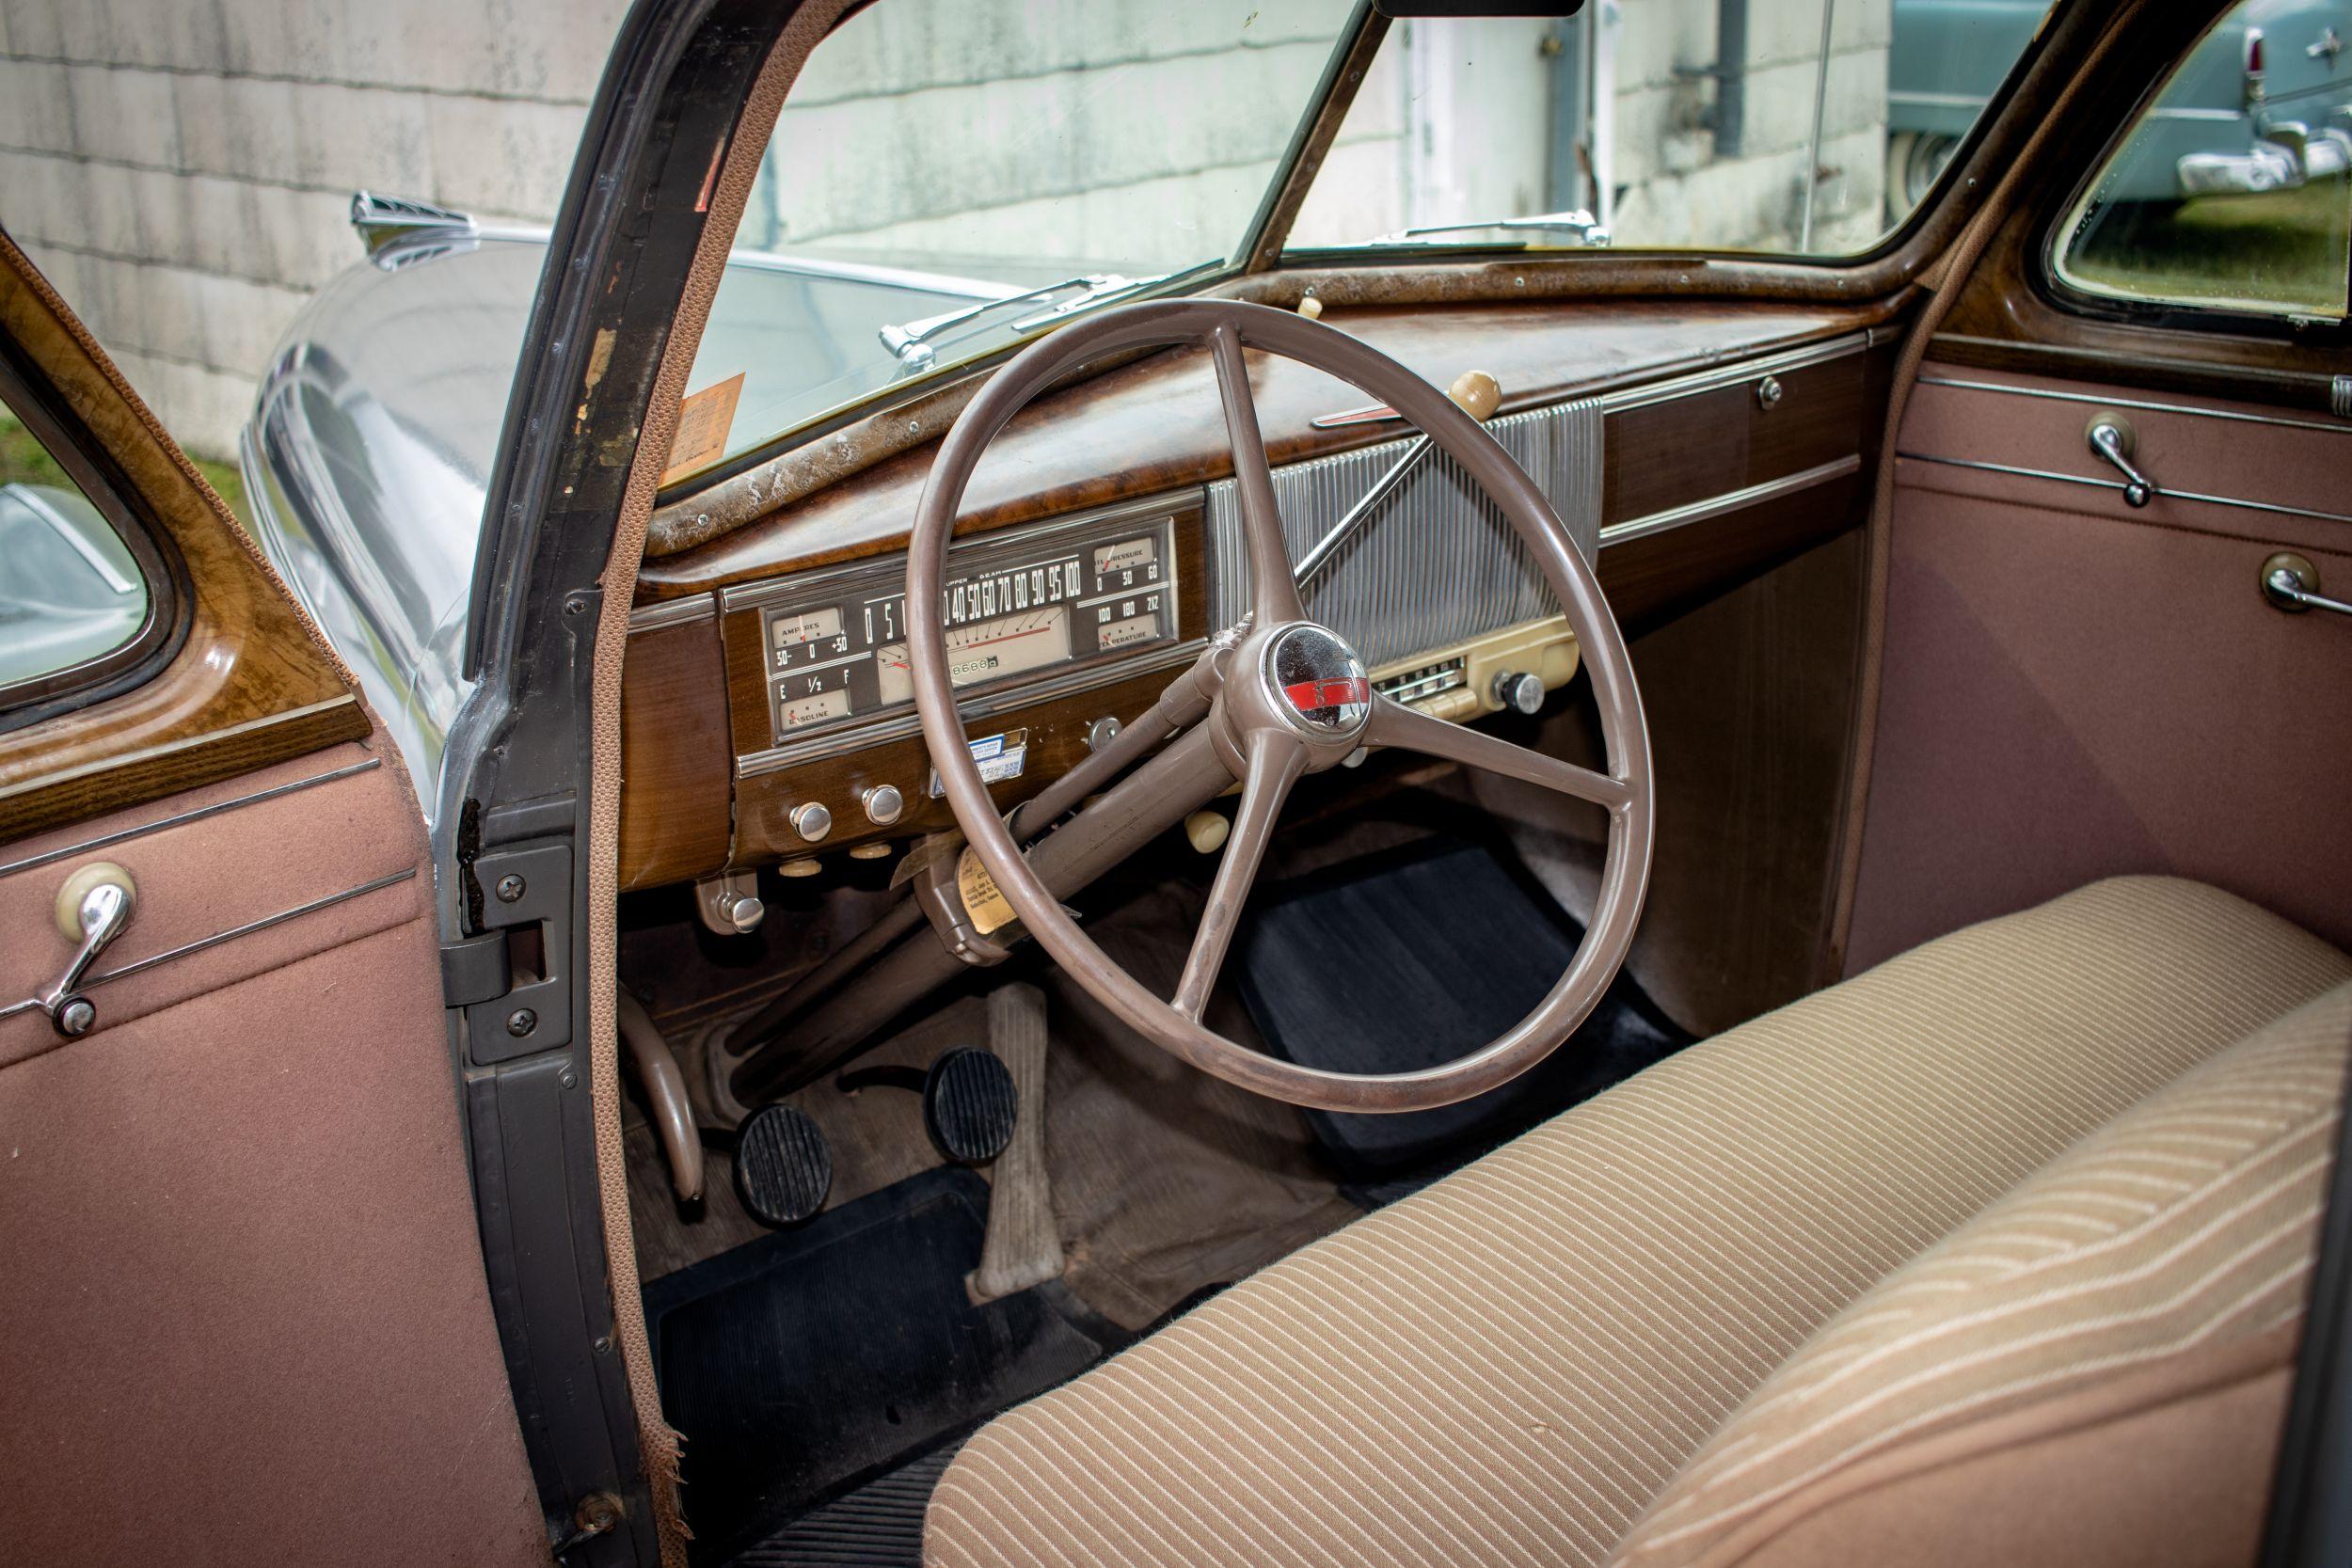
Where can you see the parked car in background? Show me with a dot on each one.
(2265, 103)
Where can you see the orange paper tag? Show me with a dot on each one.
(990, 909)
(703, 422)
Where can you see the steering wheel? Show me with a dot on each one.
(1289, 697)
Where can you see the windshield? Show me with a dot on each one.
(951, 175)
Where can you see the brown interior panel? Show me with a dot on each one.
(2075, 688)
(245, 1297)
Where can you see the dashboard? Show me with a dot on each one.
(767, 713)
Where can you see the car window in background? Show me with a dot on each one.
(2231, 192)
(71, 591)
(1701, 124)
(938, 160)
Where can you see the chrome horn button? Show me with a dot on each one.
(1316, 683)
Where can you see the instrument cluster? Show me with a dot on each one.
(1024, 608)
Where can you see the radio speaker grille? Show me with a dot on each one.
(1438, 564)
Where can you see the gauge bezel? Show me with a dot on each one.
(883, 577)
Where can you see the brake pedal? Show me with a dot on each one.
(782, 1166)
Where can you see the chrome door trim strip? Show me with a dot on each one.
(2163, 491)
(248, 929)
(107, 840)
(1731, 374)
(673, 613)
(1730, 500)
(2148, 404)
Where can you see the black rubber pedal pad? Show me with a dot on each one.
(970, 1103)
(782, 1166)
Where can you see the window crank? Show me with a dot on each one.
(2291, 582)
(2111, 439)
(93, 907)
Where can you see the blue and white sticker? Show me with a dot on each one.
(999, 757)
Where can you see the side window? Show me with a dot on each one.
(78, 601)
(2230, 192)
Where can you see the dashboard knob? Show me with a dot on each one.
(811, 821)
(1520, 690)
(1477, 394)
(884, 805)
(1102, 732)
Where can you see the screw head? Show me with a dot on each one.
(568, 1079)
(78, 1016)
(521, 1021)
(509, 888)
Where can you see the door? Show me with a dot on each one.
(2088, 670)
(243, 1318)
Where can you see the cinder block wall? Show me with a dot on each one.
(182, 169)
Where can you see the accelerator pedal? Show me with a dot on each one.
(782, 1166)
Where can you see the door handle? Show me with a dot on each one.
(2291, 583)
(2111, 439)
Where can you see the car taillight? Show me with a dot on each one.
(2254, 52)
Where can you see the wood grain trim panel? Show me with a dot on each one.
(677, 810)
(252, 682)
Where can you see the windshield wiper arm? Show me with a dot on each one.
(1583, 224)
(912, 341)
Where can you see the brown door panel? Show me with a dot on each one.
(2075, 688)
(244, 1317)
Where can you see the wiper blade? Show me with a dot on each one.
(1578, 222)
(910, 341)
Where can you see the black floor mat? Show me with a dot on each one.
(877, 1526)
(809, 1361)
(1402, 962)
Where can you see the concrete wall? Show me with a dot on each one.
(181, 168)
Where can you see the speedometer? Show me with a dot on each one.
(983, 651)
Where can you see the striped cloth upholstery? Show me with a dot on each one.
(1511, 1366)
(2186, 1227)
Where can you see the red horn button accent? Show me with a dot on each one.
(1336, 691)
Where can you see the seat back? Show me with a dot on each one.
(2095, 1370)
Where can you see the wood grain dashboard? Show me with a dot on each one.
(1732, 438)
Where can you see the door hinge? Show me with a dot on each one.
(511, 979)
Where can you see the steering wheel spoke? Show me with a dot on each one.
(1274, 594)
(1275, 764)
(1393, 723)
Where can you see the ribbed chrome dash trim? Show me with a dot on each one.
(1438, 565)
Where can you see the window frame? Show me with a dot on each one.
(2050, 281)
(169, 606)
(1277, 254)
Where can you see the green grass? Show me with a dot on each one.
(24, 460)
(2282, 249)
